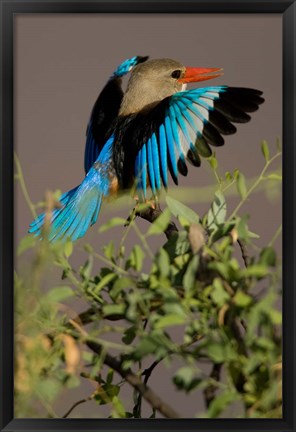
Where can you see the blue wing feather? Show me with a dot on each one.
(144, 170)
(163, 154)
(150, 165)
(171, 146)
(155, 154)
(192, 120)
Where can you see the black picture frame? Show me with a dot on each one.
(8, 10)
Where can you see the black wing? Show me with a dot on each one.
(105, 110)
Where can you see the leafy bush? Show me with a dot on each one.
(202, 279)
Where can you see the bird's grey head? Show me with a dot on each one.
(150, 82)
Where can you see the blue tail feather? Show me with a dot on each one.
(81, 205)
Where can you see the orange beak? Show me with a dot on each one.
(193, 74)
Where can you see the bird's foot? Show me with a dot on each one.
(140, 207)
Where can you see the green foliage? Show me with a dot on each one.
(224, 305)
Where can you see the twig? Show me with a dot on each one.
(147, 372)
(254, 185)
(238, 337)
(89, 398)
(20, 177)
(148, 394)
(210, 390)
(276, 235)
(244, 251)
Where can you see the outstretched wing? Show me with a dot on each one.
(183, 127)
(105, 111)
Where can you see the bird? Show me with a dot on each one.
(136, 139)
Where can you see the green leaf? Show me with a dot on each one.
(216, 352)
(213, 162)
(129, 335)
(59, 293)
(48, 388)
(221, 402)
(114, 309)
(110, 375)
(160, 224)
(241, 185)
(177, 244)
(228, 176)
(217, 212)
(218, 294)
(147, 345)
(119, 285)
(72, 382)
(85, 270)
(243, 230)
(242, 227)
(189, 277)
(265, 150)
(223, 231)
(241, 299)
(68, 248)
(106, 393)
(257, 270)
(163, 262)
(259, 312)
(186, 378)
(27, 242)
(268, 257)
(253, 235)
(179, 209)
(119, 407)
(275, 316)
(170, 320)
(116, 221)
(274, 176)
(105, 281)
(109, 250)
(136, 259)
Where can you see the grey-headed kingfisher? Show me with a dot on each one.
(140, 136)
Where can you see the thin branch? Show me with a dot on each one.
(148, 394)
(276, 235)
(89, 398)
(147, 372)
(244, 251)
(155, 401)
(210, 390)
(20, 178)
(254, 185)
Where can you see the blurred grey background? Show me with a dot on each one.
(60, 64)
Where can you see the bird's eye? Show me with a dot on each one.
(176, 73)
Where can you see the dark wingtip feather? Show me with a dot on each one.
(193, 157)
(171, 170)
(232, 112)
(245, 99)
(182, 167)
(220, 122)
(212, 135)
